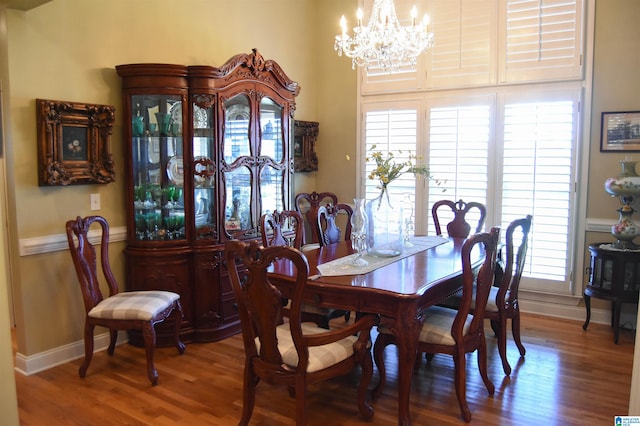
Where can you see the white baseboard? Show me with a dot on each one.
(578, 313)
(33, 364)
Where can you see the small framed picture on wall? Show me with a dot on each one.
(620, 131)
(304, 146)
(73, 143)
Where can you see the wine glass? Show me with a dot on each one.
(156, 195)
(177, 193)
(152, 225)
(359, 232)
(407, 217)
(179, 228)
(141, 226)
(139, 194)
(169, 192)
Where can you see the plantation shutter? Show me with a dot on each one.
(537, 179)
(465, 48)
(459, 140)
(534, 150)
(541, 40)
(394, 130)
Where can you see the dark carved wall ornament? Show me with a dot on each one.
(73, 143)
(304, 146)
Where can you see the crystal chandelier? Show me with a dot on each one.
(384, 43)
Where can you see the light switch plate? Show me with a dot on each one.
(95, 201)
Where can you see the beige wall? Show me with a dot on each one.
(8, 398)
(336, 109)
(615, 88)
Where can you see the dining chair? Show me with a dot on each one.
(451, 331)
(291, 353)
(458, 227)
(285, 228)
(307, 204)
(282, 228)
(503, 297)
(503, 301)
(139, 310)
(330, 233)
(326, 223)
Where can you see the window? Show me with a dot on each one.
(527, 168)
(537, 177)
(541, 39)
(465, 45)
(391, 130)
(458, 153)
(511, 147)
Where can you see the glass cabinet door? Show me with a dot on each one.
(204, 188)
(272, 146)
(236, 128)
(272, 143)
(236, 149)
(158, 168)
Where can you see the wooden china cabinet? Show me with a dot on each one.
(208, 150)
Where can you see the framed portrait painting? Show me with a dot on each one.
(74, 143)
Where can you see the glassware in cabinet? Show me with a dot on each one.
(204, 185)
(158, 167)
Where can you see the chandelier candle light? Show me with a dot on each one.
(384, 42)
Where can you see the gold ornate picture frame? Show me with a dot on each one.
(74, 143)
(304, 146)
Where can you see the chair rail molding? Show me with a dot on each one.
(599, 225)
(58, 242)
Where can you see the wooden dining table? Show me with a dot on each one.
(399, 291)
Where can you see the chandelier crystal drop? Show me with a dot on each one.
(384, 43)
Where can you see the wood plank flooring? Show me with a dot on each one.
(569, 377)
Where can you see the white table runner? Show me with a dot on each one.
(343, 266)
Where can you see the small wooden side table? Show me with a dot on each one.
(615, 276)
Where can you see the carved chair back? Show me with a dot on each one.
(282, 228)
(458, 227)
(307, 204)
(326, 223)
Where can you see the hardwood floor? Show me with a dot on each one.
(569, 377)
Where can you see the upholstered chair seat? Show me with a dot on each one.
(134, 305)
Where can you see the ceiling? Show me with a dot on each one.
(22, 4)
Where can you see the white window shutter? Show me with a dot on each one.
(540, 40)
(537, 179)
(465, 43)
(459, 141)
(391, 131)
